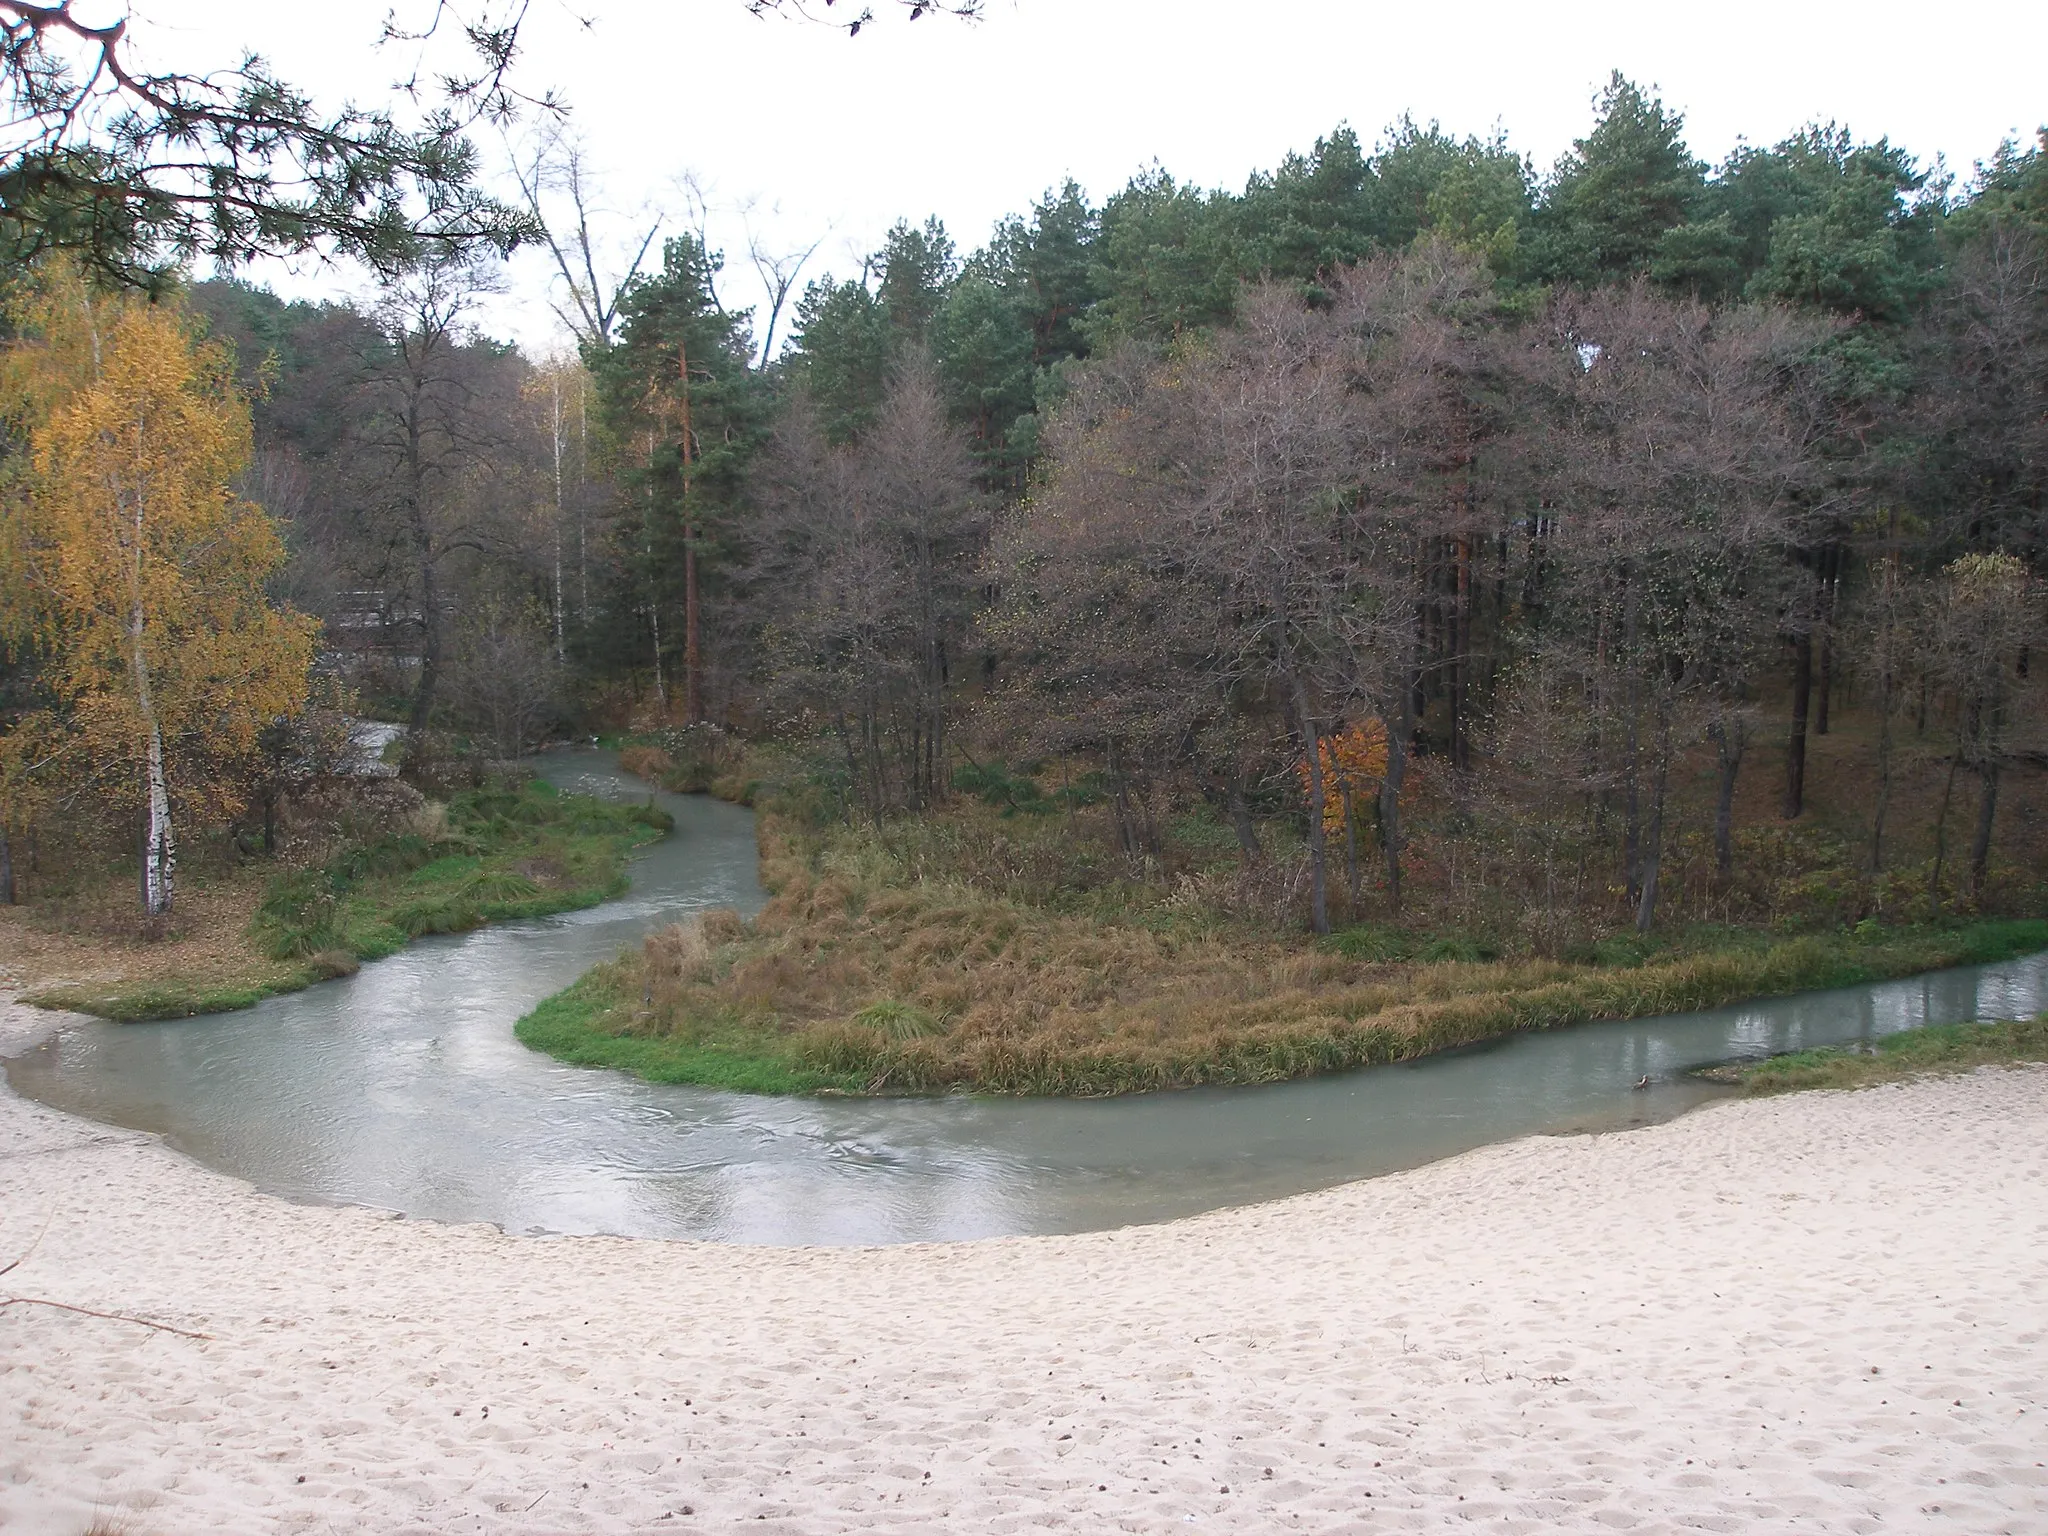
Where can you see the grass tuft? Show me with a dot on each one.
(898, 1021)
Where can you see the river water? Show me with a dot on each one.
(403, 1088)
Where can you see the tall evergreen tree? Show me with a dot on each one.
(682, 413)
(1312, 215)
(840, 355)
(917, 266)
(1168, 260)
(1618, 190)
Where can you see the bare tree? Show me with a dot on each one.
(1888, 631)
(1113, 630)
(504, 684)
(778, 270)
(1238, 532)
(560, 194)
(1986, 617)
(866, 563)
(430, 456)
(1677, 450)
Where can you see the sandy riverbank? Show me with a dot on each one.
(1819, 1313)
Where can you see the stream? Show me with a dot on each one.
(402, 1088)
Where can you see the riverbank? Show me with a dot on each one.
(1719, 1323)
(1893, 1058)
(911, 993)
(486, 855)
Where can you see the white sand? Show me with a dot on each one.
(1819, 1313)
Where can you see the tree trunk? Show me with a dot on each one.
(1120, 799)
(1795, 747)
(1461, 655)
(1353, 883)
(7, 896)
(159, 845)
(1632, 792)
(1418, 693)
(582, 503)
(653, 585)
(1632, 776)
(561, 638)
(1731, 740)
(1653, 841)
(1987, 815)
(430, 644)
(1948, 789)
(159, 849)
(429, 578)
(660, 681)
(1830, 579)
(1240, 823)
(1397, 729)
(693, 658)
(1884, 769)
(1825, 688)
(1318, 840)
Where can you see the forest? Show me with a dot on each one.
(1409, 557)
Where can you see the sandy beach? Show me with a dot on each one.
(1827, 1312)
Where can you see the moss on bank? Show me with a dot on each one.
(1891, 1058)
(491, 855)
(836, 987)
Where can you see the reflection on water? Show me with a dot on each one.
(402, 1087)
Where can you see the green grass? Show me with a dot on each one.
(503, 853)
(570, 1026)
(1935, 1048)
(176, 999)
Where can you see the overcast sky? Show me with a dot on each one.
(835, 138)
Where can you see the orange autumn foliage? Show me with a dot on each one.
(1354, 762)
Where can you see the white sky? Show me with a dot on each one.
(826, 136)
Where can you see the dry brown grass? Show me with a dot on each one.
(94, 937)
(649, 763)
(931, 985)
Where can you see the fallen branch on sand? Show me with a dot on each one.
(65, 1306)
(118, 1317)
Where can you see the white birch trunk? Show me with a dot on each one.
(159, 846)
(160, 852)
(159, 849)
(561, 645)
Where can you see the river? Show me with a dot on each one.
(403, 1088)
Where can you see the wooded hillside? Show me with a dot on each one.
(1560, 552)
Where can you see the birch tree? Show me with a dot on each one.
(138, 570)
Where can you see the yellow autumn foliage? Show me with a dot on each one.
(128, 565)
